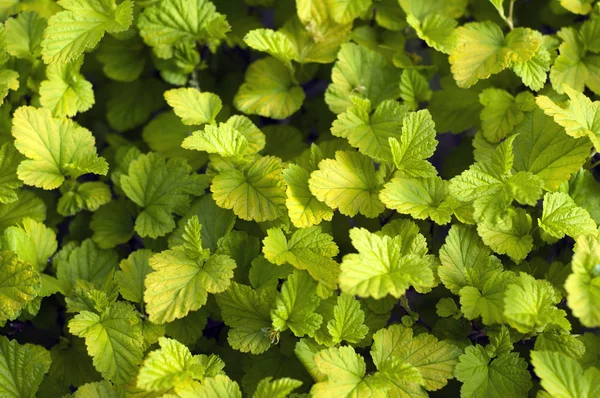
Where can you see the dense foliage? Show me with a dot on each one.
(329, 198)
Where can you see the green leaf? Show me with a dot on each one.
(247, 313)
(113, 339)
(183, 277)
(9, 80)
(511, 236)
(316, 41)
(308, 249)
(381, 268)
(363, 72)
(574, 67)
(9, 182)
(113, 223)
(487, 301)
(269, 90)
(86, 262)
(132, 274)
(370, 132)
(466, 260)
(559, 340)
(256, 192)
(583, 285)
(160, 187)
(22, 367)
(348, 183)
(482, 50)
(346, 11)
(534, 72)
(436, 29)
(280, 388)
(19, 286)
(219, 386)
(27, 205)
(130, 105)
(273, 43)
(580, 116)
(348, 321)
(172, 365)
(66, 92)
(304, 209)
(541, 149)
(561, 216)
(502, 112)
(435, 360)
(56, 148)
(529, 305)
(92, 19)
(32, 241)
(87, 196)
(167, 24)
(416, 144)
(563, 377)
(99, 389)
(581, 7)
(346, 375)
(505, 376)
(421, 198)
(192, 106)
(414, 88)
(224, 141)
(24, 35)
(122, 60)
(295, 306)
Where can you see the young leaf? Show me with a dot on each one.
(504, 376)
(23, 368)
(274, 43)
(160, 186)
(295, 306)
(502, 112)
(20, 284)
(308, 249)
(66, 92)
(254, 193)
(381, 268)
(370, 132)
(583, 285)
(540, 149)
(361, 71)
(92, 18)
(132, 274)
(348, 183)
(529, 305)
(421, 198)
(246, 311)
(56, 148)
(280, 388)
(580, 117)
(24, 35)
(168, 23)
(269, 90)
(346, 375)
(466, 261)
(481, 50)
(304, 209)
(192, 106)
(113, 339)
(32, 241)
(563, 377)
(348, 321)
(435, 360)
(170, 366)
(416, 144)
(10, 159)
(183, 276)
(561, 216)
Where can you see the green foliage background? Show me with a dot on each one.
(271, 198)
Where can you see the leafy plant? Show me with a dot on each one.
(332, 198)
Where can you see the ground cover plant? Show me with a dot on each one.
(271, 198)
